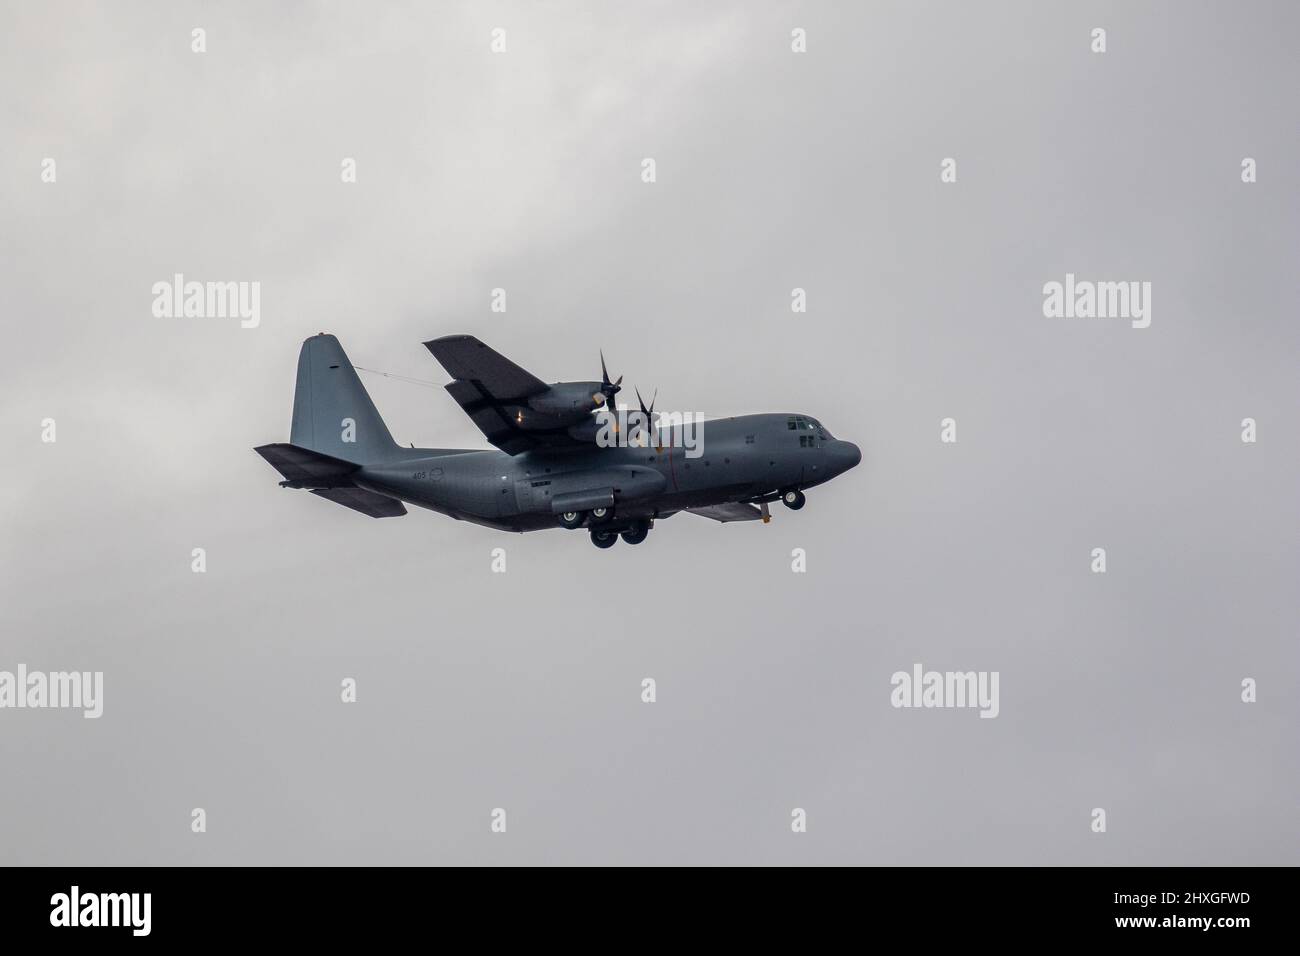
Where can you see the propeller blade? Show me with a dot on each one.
(648, 414)
(607, 388)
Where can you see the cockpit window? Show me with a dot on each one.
(801, 423)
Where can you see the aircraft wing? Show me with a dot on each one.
(491, 389)
(732, 511)
(467, 359)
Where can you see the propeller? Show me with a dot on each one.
(608, 389)
(604, 399)
(648, 414)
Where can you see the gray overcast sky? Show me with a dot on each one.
(775, 170)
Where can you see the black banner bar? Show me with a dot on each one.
(180, 905)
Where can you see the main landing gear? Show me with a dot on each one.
(607, 537)
(605, 531)
(637, 533)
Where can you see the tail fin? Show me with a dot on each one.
(332, 413)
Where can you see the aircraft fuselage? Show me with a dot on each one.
(747, 458)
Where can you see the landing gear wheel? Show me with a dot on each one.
(599, 514)
(604, 539)
(793, 499)
(637, 533)
(571, 519)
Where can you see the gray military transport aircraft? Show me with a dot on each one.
(553, 469)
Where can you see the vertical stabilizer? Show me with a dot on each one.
(332, 413)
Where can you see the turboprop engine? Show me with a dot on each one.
(568, 403)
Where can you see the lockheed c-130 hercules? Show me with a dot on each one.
(552, 469)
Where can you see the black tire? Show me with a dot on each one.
(793, 499)
(604, 539)
(572, 519)
(599, 515)
(637, 533)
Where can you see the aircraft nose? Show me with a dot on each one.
(847, 455)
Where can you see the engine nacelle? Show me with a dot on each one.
(587, 430)
(568, 402)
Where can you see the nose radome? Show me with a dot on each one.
(850, 455)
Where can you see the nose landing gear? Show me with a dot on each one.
(793, 499)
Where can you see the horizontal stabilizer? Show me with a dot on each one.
(303, 468)
(328, 477)
(367, 502)
(732, 511)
